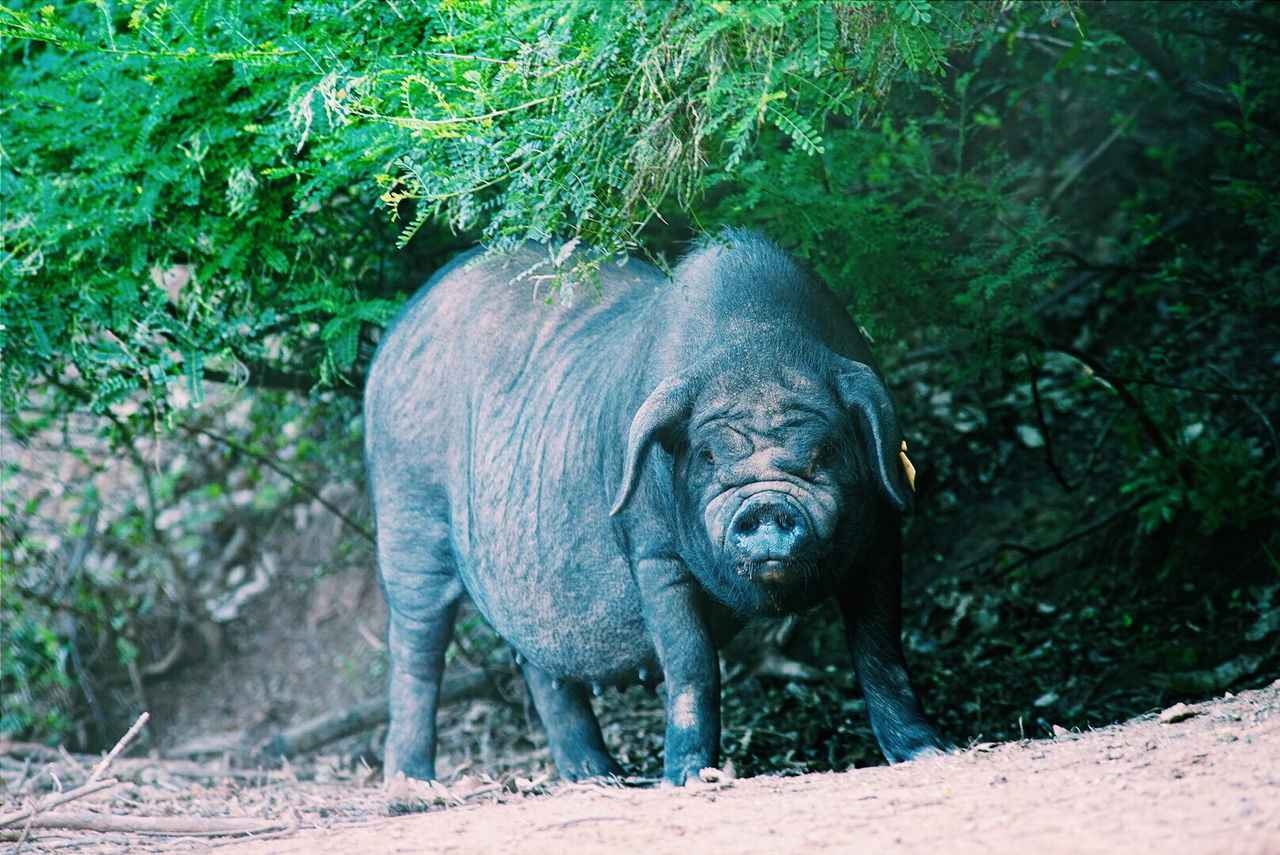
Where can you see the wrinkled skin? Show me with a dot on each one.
(619, 485)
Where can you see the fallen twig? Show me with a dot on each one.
(131, 769)
(54, 799)
(31, 814)
(196, 826)
(119, 746)
(330, 727)
(30, 751)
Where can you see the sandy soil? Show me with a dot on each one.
(1203, 778)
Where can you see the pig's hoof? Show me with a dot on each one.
(932, 751)
(414, 795)
(712, 775)
(921, 752)
(707, 778)
(916, 743)
(588, 768)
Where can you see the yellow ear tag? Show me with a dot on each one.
(907, 468)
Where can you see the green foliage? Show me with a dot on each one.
(156, 231)
(34, 681)
(190, 186)
(906, 246)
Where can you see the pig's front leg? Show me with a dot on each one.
(872, 611)
(671, 602)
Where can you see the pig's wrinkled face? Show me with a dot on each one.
(766, 474)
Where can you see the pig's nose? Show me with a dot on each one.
(768, 527)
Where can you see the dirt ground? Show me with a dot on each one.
(1201, 778)
(310, 642)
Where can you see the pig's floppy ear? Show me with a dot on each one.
(863, 393)
(666, 406)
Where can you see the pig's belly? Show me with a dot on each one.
(577, 623)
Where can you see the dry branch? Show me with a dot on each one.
(53, 800)
(30, 750)
(119, 746)
(187, 826)
(42, 815)
(330, 727)
(32, 814)
(135, 769)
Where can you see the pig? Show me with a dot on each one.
(620, 484)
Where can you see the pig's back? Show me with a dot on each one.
(516, 412)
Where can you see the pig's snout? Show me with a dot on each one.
(769, 527)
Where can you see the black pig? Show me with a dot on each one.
(620, 484)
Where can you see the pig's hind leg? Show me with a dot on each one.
(572, 730)
(422, 590)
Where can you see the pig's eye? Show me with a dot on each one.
(824, 454)
(705, 458)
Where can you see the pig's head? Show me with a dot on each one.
(774, 476)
